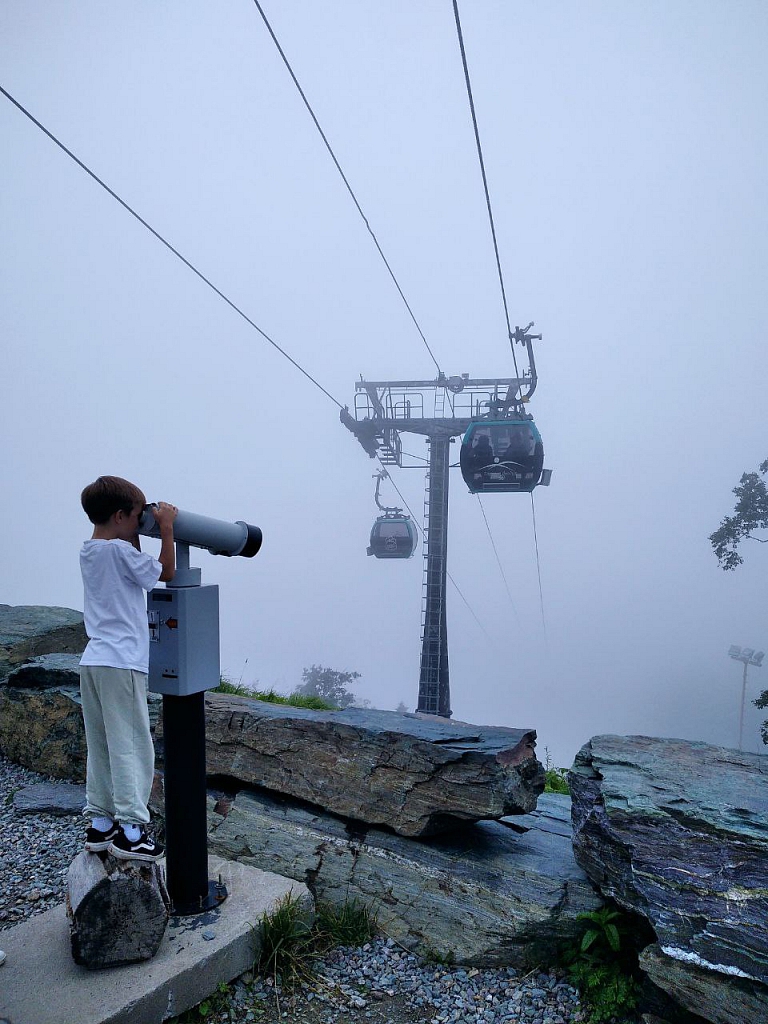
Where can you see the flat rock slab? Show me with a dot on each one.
(29, 630)
(416, 774)
(713, 996)
(678, 831)
(488, 895)
(59, 798)
(195, 955)
(47, 670)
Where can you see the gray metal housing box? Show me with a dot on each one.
(183, 639)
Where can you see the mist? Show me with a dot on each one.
(626, 153)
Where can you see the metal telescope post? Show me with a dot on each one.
(184, 662)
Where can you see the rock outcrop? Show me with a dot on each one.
(41, 719)
(489, 893)
(416, 774)
(42, 728)
(678, 832)
(27, 631)
(710, 995)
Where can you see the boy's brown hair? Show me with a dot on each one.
(107, 495)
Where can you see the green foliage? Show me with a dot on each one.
(287, 950)
(352, 924)
(606, 989)
(212, 1005)
(295, 700)
(328, 684)
(290, 947)
(556, 779)
(602, 964)
(237, 689)
(749, 514)
(762, 703)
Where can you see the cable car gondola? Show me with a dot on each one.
(393, 536)
(502, 455)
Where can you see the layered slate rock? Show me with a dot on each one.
(41, 718)
(678, 831)
(488, 894)
(27, 631)
(58, 798)
(42, 729)
(416, 774)
(710, 995)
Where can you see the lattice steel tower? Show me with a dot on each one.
(383, 410)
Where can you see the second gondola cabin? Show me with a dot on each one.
(501, 455)
(393, 536)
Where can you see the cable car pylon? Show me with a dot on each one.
(383, 410)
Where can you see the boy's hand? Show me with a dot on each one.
(164, 515)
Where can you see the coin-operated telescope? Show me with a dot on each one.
(184, 662)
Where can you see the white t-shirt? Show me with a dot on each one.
(115, 577)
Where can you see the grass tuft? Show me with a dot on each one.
(294, 700)
(352, 924)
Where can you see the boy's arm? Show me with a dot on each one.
(164, 516)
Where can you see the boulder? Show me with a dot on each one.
(489, 894)
(416, 774)
(29, 630)
(41, 718)
(678, 832)
(709, 994)
(43, 730)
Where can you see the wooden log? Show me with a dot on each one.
(117, 910)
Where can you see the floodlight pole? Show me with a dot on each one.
(748, 656)
(743, 699)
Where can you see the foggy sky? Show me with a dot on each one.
(625, 146)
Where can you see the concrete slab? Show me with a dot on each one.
(41, 984)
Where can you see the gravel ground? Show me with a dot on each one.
(378, 983)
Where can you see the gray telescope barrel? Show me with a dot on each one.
(215, 535)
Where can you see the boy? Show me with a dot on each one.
(114, 666)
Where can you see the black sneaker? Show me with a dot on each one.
(143, 849)
(96, 840)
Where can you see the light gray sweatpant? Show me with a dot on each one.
(121, 758)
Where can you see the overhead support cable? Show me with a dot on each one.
(168, 245)
(538, 565)
(510, 334)
(345, 180)
(200, 275)
(498, 560)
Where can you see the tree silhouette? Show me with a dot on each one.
(750, 514)
(329, 684)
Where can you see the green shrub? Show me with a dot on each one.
(602, 964)
(556, 779)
